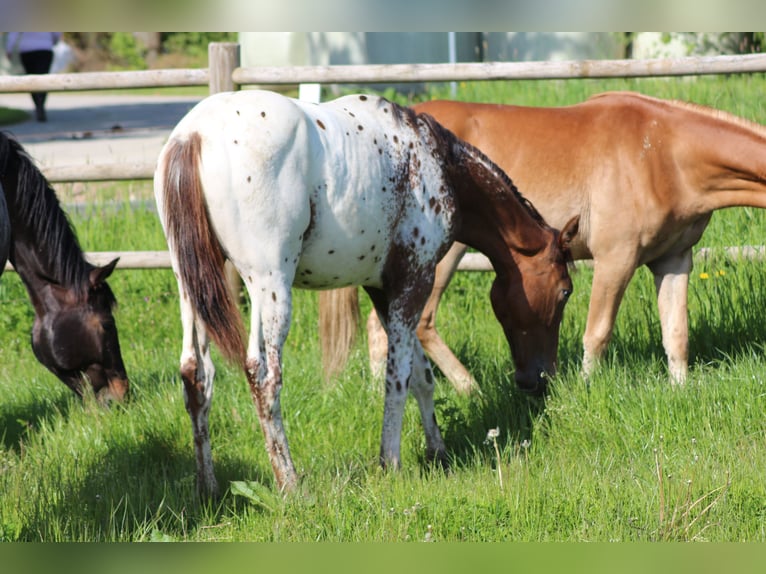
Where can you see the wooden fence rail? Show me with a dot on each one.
(95, 172)
(470, 261)
(225, 73)
(105, 80)
(403, 73)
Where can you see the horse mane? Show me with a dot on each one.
(36, 210)
(451, 140)
(702, 109)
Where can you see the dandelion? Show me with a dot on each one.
(704, 275)
(492, 435)
(720, 272)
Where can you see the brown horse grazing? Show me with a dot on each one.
(643, 174)
(74, 333)
(5, 231)
(356, 191)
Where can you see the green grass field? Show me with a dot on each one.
(624, 457)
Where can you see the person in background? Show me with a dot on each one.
(36, 52)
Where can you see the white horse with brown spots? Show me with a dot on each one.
(358, 191)
(644, 174)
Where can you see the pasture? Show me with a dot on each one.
(623, 457)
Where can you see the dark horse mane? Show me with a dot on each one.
(36, 215)
(409, 115)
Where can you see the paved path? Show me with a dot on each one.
(97, 128)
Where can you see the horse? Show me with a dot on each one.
(355, 191)
(644, 175)
(5, 231)
(74, 334)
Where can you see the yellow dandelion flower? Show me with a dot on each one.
(704, 276)
(720, 273)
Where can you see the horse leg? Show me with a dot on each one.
(671, 278)
(401, 337)
(610, 279)
(271, 303)
(422, 388)
(437, 349)
(440, 353)
(197, 373)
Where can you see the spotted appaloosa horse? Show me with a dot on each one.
(644, 174)
(357, 191)
(74, 333)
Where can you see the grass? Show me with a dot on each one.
(9, 116)
(624, 457)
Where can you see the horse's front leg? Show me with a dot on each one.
(407, 367)
(422, 387)
(671, 278)
(270, 321)
(398, 368)
(611, 276)
(434, 345)
(440, 353)
(197, 373)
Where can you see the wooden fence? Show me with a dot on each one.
(225, 74)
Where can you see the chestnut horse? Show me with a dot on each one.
(643, 174)
(357, 191)
(74, 334)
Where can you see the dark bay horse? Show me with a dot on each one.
(5, 231)
(357, 191)
(643, 174)
(74, 334)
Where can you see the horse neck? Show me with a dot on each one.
(44, 248)
(726, 157)
(495, 218)
(739, 174)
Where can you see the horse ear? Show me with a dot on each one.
(569, 232)
(99, 274)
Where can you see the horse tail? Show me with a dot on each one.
(196, 247)
(338, 327)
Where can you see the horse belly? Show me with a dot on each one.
(353, 254)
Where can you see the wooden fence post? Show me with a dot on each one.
(223, 58)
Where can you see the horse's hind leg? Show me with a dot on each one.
(671, 279)
(271, 303)
(197, 373)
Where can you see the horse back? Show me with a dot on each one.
(598, 159)
(313, 186)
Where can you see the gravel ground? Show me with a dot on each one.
(94, 129)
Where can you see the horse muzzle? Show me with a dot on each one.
(116, 390)
(534, 383)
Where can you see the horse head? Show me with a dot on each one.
(76, 339)
(529, 301)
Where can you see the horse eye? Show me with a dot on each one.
(566, 293)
